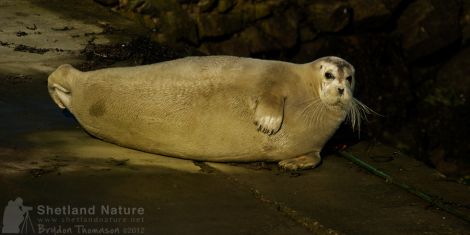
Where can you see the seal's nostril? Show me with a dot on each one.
(341, 91)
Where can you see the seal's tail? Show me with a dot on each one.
(59, 85)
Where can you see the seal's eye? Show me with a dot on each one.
(349, 79)
(328, 75)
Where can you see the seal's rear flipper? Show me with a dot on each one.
(60, 84)
(62, 95)
(310, 160)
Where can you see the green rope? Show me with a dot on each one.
(425, 196)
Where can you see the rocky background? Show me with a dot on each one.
(411, 57)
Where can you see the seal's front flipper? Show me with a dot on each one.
(310, 160)
(269, 114)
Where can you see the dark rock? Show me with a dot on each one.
(225, 5)
(178, 26)
(169, 21)
(257, 10)
(256, 41)
(206, 5)
(310, 51)
(443, 117)
(186, 1)
(281, 29)
(392, 5)
(328, 16)
(145, 8)
(241, 16)
(428, 26)
(216, 25)
(371, 14)
(233, 46)
(465, 22)
(307, 34)
(159, 5)
(137, 5)
(250, 41)
(108, 2)
(454, 77)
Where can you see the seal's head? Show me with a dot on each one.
(335, 80)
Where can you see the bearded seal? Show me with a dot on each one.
(215, 108)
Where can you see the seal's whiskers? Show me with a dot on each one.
(311, 112)
(357, 113)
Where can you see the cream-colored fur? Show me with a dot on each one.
(215, 108)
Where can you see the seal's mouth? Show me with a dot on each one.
(337, 106)
(336, 100)
(338, 103)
